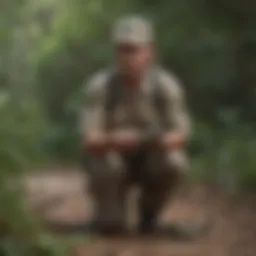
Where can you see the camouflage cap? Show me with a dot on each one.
(134, 30)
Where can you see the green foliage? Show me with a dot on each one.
(226, 158)
(21, 132)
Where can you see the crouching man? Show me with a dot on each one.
(135, 127)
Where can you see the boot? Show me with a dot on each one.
(148, 222)
(109, 229)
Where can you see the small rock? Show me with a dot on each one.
(127, 253)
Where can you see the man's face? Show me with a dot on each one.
(133, 59)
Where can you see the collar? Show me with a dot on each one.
(146, 81)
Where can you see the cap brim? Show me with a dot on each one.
(134, 40)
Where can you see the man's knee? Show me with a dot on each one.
(105, 173)
(176, 162)
(168, 162)
(168, 169)
(110, 165)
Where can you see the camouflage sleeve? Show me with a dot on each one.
(92, 114)
(176, 110)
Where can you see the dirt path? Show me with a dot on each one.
(233, 232)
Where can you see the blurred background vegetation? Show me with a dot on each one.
(49, 47)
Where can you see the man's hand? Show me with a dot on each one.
(96, 143)
(125, 139)
(172, 140)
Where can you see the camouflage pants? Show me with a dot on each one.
(111, 177)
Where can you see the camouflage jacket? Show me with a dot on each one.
(134, 108)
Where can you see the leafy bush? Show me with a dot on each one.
(21, 130)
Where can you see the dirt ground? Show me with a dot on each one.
(63, 196)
